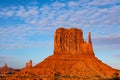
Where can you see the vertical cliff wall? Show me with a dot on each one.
(70, 41)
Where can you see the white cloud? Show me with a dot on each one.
(73, 3)
(21, 12)
(28, 14)
(107, 40)
(58, 14)
(116, 55)
(19, 33)
(8, 12)
(104, 2)
(58, 5)
(22, 36)
(3, 60)
(26, 45)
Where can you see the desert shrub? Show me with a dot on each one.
(115, 76)
(57, 75)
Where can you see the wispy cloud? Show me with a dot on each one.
(10, 60)
(79, 14)
(48, 17)
(116, 56)
(19, 34)
(109, 40)
(58, 5)
(104, 2)
(26, 45)
(3, 59)
(116, 62)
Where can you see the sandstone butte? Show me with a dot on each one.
(73, 56)
(6, 70)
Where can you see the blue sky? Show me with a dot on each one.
(27, 28)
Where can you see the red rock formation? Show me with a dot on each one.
(70, 41)
(6, 70)
(29, 64)
(72, 56)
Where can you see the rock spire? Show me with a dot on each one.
(89, 38)
(5, 65)
(29, 64)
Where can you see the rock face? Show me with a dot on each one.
(72, 56)
(71, 42)
(29, 64)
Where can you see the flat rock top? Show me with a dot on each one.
(68, 29)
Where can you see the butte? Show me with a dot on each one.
(72, 56)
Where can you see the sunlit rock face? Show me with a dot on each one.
(71, 42)
(72, 56)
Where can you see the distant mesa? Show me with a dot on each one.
(5, 66)
(6, 70)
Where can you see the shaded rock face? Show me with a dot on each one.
(70, 41)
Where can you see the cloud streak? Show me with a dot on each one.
(107, 43)
(109, 40)
(83, 14)
(19, 33)
(116, 56)
(73, 11)
(3, 59)
(26, 45)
